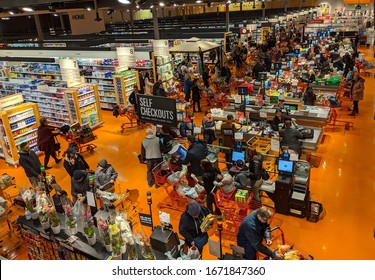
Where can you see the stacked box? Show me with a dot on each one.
(241, 195)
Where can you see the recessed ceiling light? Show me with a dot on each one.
(151, 6)
(137, 6)
(5, 18)
(124, 1)
(56, 15)
(88, 8)
(198, 1)
(27, 9)
(11, 13)
(161, 4)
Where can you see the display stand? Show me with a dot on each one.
(18, 125)
(83, 105)
(124, 83)
(162, 62)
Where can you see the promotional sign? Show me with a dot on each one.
(85, 22)
(157, 110)
(161, 47)
(70, 71)
(11, 100)
(126, 57)
(145, 219)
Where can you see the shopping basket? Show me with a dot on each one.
(79, 137)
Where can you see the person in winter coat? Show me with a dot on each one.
(189, 226)
(196, 96)
(30, 163)
(187, 127)
(187, 87)
(151, 154)
(252, 230)
(358, 88)
(46, 142)
(105, 176)
(74, 161)
(291, 137)
(209, 175)
(208, 125)
(195, 154)
(148, 84)
(226, 183)
(309, 97)
(206, 77)
(80, 185)
(255, 171)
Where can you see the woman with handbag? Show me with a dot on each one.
(46, 142)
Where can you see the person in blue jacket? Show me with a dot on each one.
(187, 87)
(252, 230)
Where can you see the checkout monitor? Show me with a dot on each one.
(243, 91)
(236, 155)
(285, 167)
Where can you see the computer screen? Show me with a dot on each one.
(236, 155)
(285, 166)
(243, 91)
(296, 51)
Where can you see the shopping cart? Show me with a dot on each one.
(8, 188)
(285, 247)
(9, 242)
(129, 113)
(79, 137)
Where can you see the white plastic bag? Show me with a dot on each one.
(193, 253)
(198, 188)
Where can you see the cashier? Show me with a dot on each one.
(278, 119)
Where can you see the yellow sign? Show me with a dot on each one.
(10, 101)
(248, 6)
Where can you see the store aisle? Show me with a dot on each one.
(344, 183)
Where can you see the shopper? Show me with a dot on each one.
(357, 91)
(225, 72)
(74, 161)
(252, 230)
(196, 152)
(247, 83)
(255, 171)
(105, 176)
(151, 153)
(187, 87)
(225, 183)
(209, 175)
(187, 126)
(241, 177)
(30, 163)
(278, 121)
(148, 84)
(189, 226)
(208, 125)
(80, 185)
(291, 137)
(160, 91)
(206, 77)
(196, 96)
(46, 142)
(227, 133)
(133, 98)
(309, 97)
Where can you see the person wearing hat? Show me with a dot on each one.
(151, 154)
(189, 226)
(74, 161)
(105, 176)
(30, 163)
(46, 142)
(80, 185)
(278, 120)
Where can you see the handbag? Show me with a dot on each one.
(57, 145)
(265, 175)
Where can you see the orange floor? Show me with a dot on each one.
(344, 183)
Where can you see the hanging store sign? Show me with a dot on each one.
(86, 22)
(243, 31)
(70, 71)
(161, 47)
(157, 110)
(126, 57)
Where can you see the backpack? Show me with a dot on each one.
(307, 133)
(334, 102)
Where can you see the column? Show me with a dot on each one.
(62, 23)
(155, 23)
(263, 9)
(39, 28)
(132, 20)
(227, 17)
(286, 6)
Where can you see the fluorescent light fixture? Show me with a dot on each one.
(124, 1)
(88, 8)
(152, 6)
(161, 4)
(5, 18)
(56, 15)
(198, 1)
(27, 9)
(11, 13)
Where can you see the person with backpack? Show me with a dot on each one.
(187, 126)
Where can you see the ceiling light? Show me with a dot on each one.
(137, 6)
(152, 6)
(161, 4)
(11, 13)
(198, 1)
(88, 8)
(5, 18)
(56, 15)
(124, 1)
(27, 9)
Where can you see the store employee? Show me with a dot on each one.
(278, 119)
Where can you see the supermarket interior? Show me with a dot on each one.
(212, 130)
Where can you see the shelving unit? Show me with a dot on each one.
(163, 69)
(124, 84)
(18, 125)
(83, 105)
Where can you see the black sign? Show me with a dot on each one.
(146, 219)
(157, 110)
(243, 90)
(262, 76)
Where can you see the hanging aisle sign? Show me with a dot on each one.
(161, 47)
(69, 71)
(85, 22)
(126, 57)
(157, 110)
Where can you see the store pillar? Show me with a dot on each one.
(39, 28)
(155, 23)
(227, 17)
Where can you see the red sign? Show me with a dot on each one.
(243, 31)
(316, 21)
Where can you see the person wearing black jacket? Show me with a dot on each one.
(209, 175)
(196, 96)
(278, 119)
(30, 163)
(195, 154)
(255, 171)
(46, 142)
(80, 185)
(189, 226)
(74, 161)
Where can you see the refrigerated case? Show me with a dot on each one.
(17, 125)
(83, 105)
